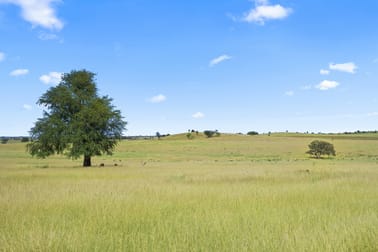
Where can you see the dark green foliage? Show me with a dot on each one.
(252, 133)
(211, 133)
(319, 148)
(4, 140)
(77, 122)
(24, 139)
(208, 133)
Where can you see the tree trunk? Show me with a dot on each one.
(87, 161)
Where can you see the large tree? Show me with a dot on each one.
(318, 148)
(77, 121)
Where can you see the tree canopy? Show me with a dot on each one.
(319, 148)
(77, 121)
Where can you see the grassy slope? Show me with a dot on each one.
(232, 193)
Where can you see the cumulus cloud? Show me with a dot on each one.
(327, 84)
(27, 107)
(264, 11)
(2, 56)
(38, 12)
(324, 72)
(348, 67)
(52, 78)
(157, 99)
(219, 59)
(198, 115)
(19, 72)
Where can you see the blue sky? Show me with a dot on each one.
(170, 66)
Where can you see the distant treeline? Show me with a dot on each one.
(5, 139)
(361, 132)
(143, 137)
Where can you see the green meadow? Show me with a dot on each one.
(227, 193)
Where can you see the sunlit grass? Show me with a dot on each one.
(232, 193)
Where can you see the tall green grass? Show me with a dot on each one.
(232, 193)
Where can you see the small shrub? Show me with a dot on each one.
(252, 133)
(189, 136)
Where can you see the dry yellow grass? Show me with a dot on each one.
(232, 193)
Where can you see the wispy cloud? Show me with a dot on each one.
(324, 72)
(52, 78)
(47, 36)
(2, 56)
(289, 93)
(27, 107)
(327, 84)
(306, 87)
(219, 59)
(264, 11)
(19, 72)
(198, 115)
(157, 99)
(348, 67)
(372, 114)
(38, 12)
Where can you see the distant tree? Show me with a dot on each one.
(319, 148)
(158, 135)
(24, 139)
(78, 122)
(4, 140)
(252, 133)
(211, 133)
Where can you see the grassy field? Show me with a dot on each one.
(231, 193)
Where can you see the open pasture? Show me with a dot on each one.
(230, 193)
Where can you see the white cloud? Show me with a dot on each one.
(372, 114)
(327, 84)
(27, 107)
(52, 78)
(2, 56)
(219, 59)
(19, 72)
(38, 12)
(157, 99)
(47, 36)
(289, 93)
(263, 12)
(306, 87)
(198, 115)
(324, 72)
(348, 67)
